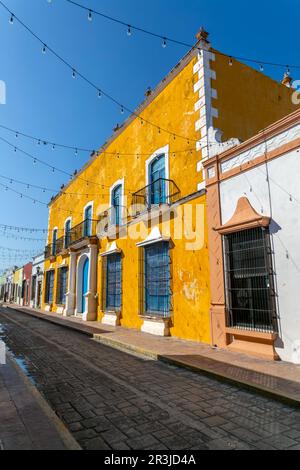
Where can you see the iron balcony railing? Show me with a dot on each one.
(87, 228)
(161, 191)
(54, 248)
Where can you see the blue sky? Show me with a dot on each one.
(44, 100)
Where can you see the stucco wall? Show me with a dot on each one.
(272, 198)
(247, 100)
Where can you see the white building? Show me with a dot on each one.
(253, 203)
(37, 281)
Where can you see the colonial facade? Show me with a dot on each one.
(37, 281)
(128, 240)
(253, 207)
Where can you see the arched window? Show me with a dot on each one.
(116, 203)
(54, 240)
(67, 233)
(157, 181)
(88, 214)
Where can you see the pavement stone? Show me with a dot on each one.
(109, 399)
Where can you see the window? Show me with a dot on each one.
(62, 285)
(250, 292)
(54, 240)
(87, 230)
(157, 279)
(49, 287)
(157, 180)
(67, 233)
(116, 203)
(113, 282)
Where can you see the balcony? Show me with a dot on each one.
(82, 231)
(161, 191)
(54, 248)
(86, 229)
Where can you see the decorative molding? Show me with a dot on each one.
(210, 142)
(260, 149)
(244, 217)
(112, 248)
(155, 236)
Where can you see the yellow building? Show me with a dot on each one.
(128, 235)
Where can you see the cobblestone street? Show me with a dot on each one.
(109, 399)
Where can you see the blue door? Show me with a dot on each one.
(87, 232)
(85, 282)
(157, 181)
(116, 202)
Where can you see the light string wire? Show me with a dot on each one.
(76, 72)
(163, 37)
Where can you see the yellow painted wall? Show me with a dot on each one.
(247, 100)
(189, 279)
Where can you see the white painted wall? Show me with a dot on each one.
(273, 199)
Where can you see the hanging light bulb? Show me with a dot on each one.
(129, 31)
(73, 73)
(44, 49)
(288, 72)
(230, 61)
(34, 161)
(15, 149)
(76, 152)
(39, 142)
(11, 19)
(99, 94)
(53, 169)
(53, 147)
(261, 68)
(90, 15)
(164, 43)
(122, 109)
(17, 135)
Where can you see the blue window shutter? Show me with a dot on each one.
(157, 279)
(113, 282)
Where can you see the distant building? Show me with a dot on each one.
(37, 281)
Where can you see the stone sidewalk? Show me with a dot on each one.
(27, 422)
(278, 379)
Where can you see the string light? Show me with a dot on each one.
(170, 39)
(11, 20)
(99, 94)
(129, 32)
(73, 73)
(261, 68)
(44, 49)
(90, 15)
(164, 43)
(230, 61)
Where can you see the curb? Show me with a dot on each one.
(65, 435)
(249, 386)
(135, 350)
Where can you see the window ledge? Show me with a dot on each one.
(271, 336)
